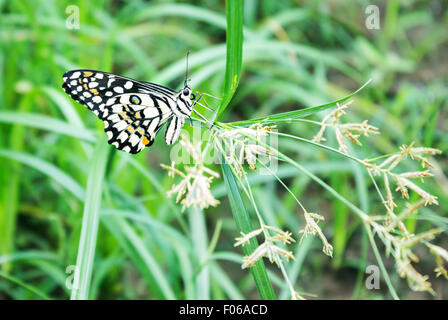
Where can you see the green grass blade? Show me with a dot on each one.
(28, 287)
(48, 169)
(243, 224)
(285, 116)
(46, 123)
(89, 230)
(133, 244)
(234, 57)
(381, 263)
(200, 241)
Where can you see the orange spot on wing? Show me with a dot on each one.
(85, 87)
(94, 91)
(145, 140)
(87, 73)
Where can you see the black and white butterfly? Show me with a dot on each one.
(133, 111)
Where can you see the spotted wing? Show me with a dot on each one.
(132, 121)
(132, 111)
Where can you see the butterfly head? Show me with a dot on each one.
(185, 99)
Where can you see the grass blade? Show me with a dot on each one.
(134, 246)
(200, 241)
(243, 224)
(90, 220)
(234, 57)
(285, 116)
(48, 169)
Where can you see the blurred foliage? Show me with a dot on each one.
(296, 54)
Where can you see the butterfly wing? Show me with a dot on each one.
(173, 129)
(133, 126)
(132, 111)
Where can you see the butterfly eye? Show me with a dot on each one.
(186, 92)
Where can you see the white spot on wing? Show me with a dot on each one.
(118, 89)
(133, 139)
(121, 125)
(75, 75)
(96, 99)
(117, 108)
(128, 85)
(122, 136)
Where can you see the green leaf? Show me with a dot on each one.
(46, 123)
(234, 57)
(26, 286)
(48, 169)
(90, 220)
(285, 116)
(243, 224)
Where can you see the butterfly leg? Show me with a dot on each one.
(203, 118)
(201, 96)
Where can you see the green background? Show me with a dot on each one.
(296, 54)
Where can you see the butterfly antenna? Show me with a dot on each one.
(186, 69)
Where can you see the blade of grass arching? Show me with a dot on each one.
(200, 241)
(32, 289)
(48, 169)
(143, 259)
(243, 224)
(90, 220)
(227, 285)
(65, 106)
(234, 56)
(286, 116)
(182, 10)
(46, 123)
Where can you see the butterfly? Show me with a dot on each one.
(132, 111)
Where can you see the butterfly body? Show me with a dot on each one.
(132, 111)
